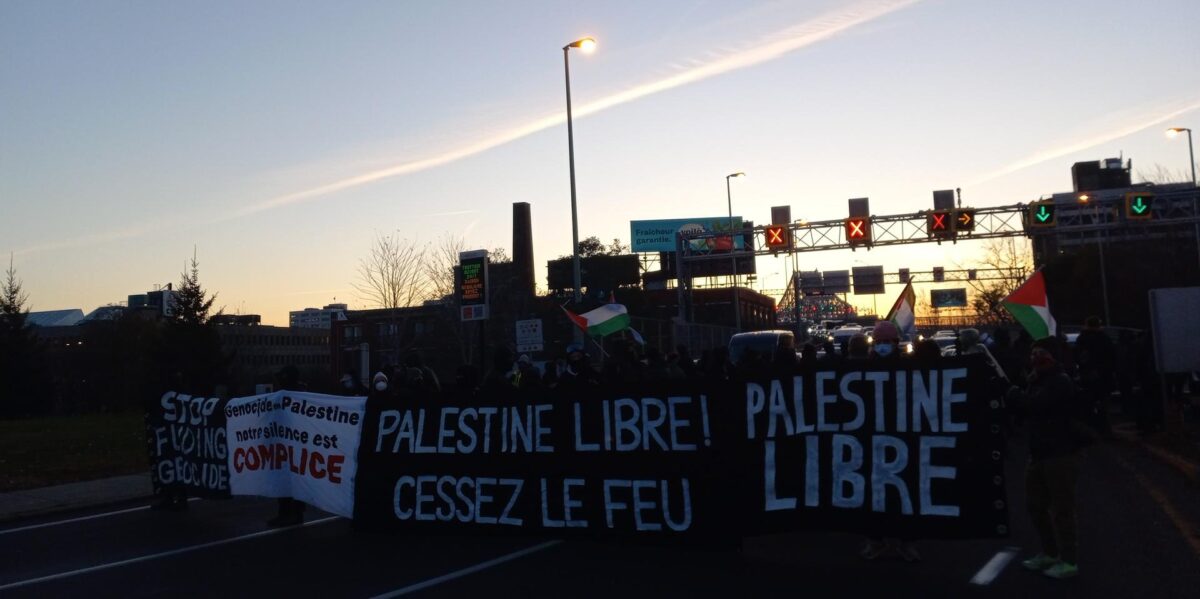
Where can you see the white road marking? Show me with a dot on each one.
(994, 567)
(144, 558)
(81, 518)
(412, 588)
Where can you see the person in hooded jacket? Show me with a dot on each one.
(1050, 477)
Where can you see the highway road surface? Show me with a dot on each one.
(1137, 527)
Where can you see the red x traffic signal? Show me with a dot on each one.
(937, 223)
(777, 236)
(858, 230)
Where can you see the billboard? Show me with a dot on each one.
(710, 267)
(811, 282)
(472, 284)
(868, 279)
(659, 235)
(595, 272)
(948, 298)
(837, 281)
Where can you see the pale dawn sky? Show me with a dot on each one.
(278, 137)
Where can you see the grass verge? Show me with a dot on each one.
(40, 452)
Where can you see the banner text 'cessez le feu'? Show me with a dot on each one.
(881, 448)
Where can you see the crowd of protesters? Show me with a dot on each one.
(1054, 392)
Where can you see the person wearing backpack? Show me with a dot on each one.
(1050, 406)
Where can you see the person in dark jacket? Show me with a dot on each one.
(1096, 360)
(885, 352)
(1050, 477)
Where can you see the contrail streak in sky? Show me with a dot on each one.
(1083, 144)
(773, 46)
(777, 45)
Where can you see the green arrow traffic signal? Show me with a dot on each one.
(1137, 205)
(1042, 214)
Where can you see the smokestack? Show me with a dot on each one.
(522, 244)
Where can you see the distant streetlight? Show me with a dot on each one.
(1172, 132)
(1083, 199)
(737, 311)
(1175, 131)
(586, 44)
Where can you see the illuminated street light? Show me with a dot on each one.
(586, 44)
(1172, 132)
(1175, 131)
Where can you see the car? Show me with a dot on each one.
(765, 343)
(845, 332)
(946, 333)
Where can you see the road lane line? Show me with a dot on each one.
(412, 588)
(1181, 523)
(81, 518)
(144, 558)
(994, 567)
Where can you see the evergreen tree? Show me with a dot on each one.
(20, 363)
(193, 361)
(191, 304)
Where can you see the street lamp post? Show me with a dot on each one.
(1172, 132)
(586, 44)
(737, 309)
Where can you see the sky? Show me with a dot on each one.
(276, 139)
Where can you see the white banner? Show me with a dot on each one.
(295, 444)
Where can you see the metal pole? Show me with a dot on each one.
(574, 210)
(1192, 161)
(1191, 157)
(737, 312)
(1103, 270)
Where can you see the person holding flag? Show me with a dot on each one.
(903, 313)
(1053, 469)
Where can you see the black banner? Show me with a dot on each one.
(186, 439)
(890, 449)
(886, 450)
(548, 463)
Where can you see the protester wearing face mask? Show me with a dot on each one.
(1053, 466)
(885, 349)
(349, 385)
(887, 340)
(379, 382)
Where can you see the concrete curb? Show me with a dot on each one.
(59, 498)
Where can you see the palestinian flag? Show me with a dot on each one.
(903, 314)
(603, 321)
(1029, 305)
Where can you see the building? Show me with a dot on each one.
(257, 353)
(245, 320)
(312, 318)
(160, 300)
(54, 318)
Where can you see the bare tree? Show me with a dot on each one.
(1160, 174)
(497, 255)
(1011, 261)
(393, 274)
(440, 260)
